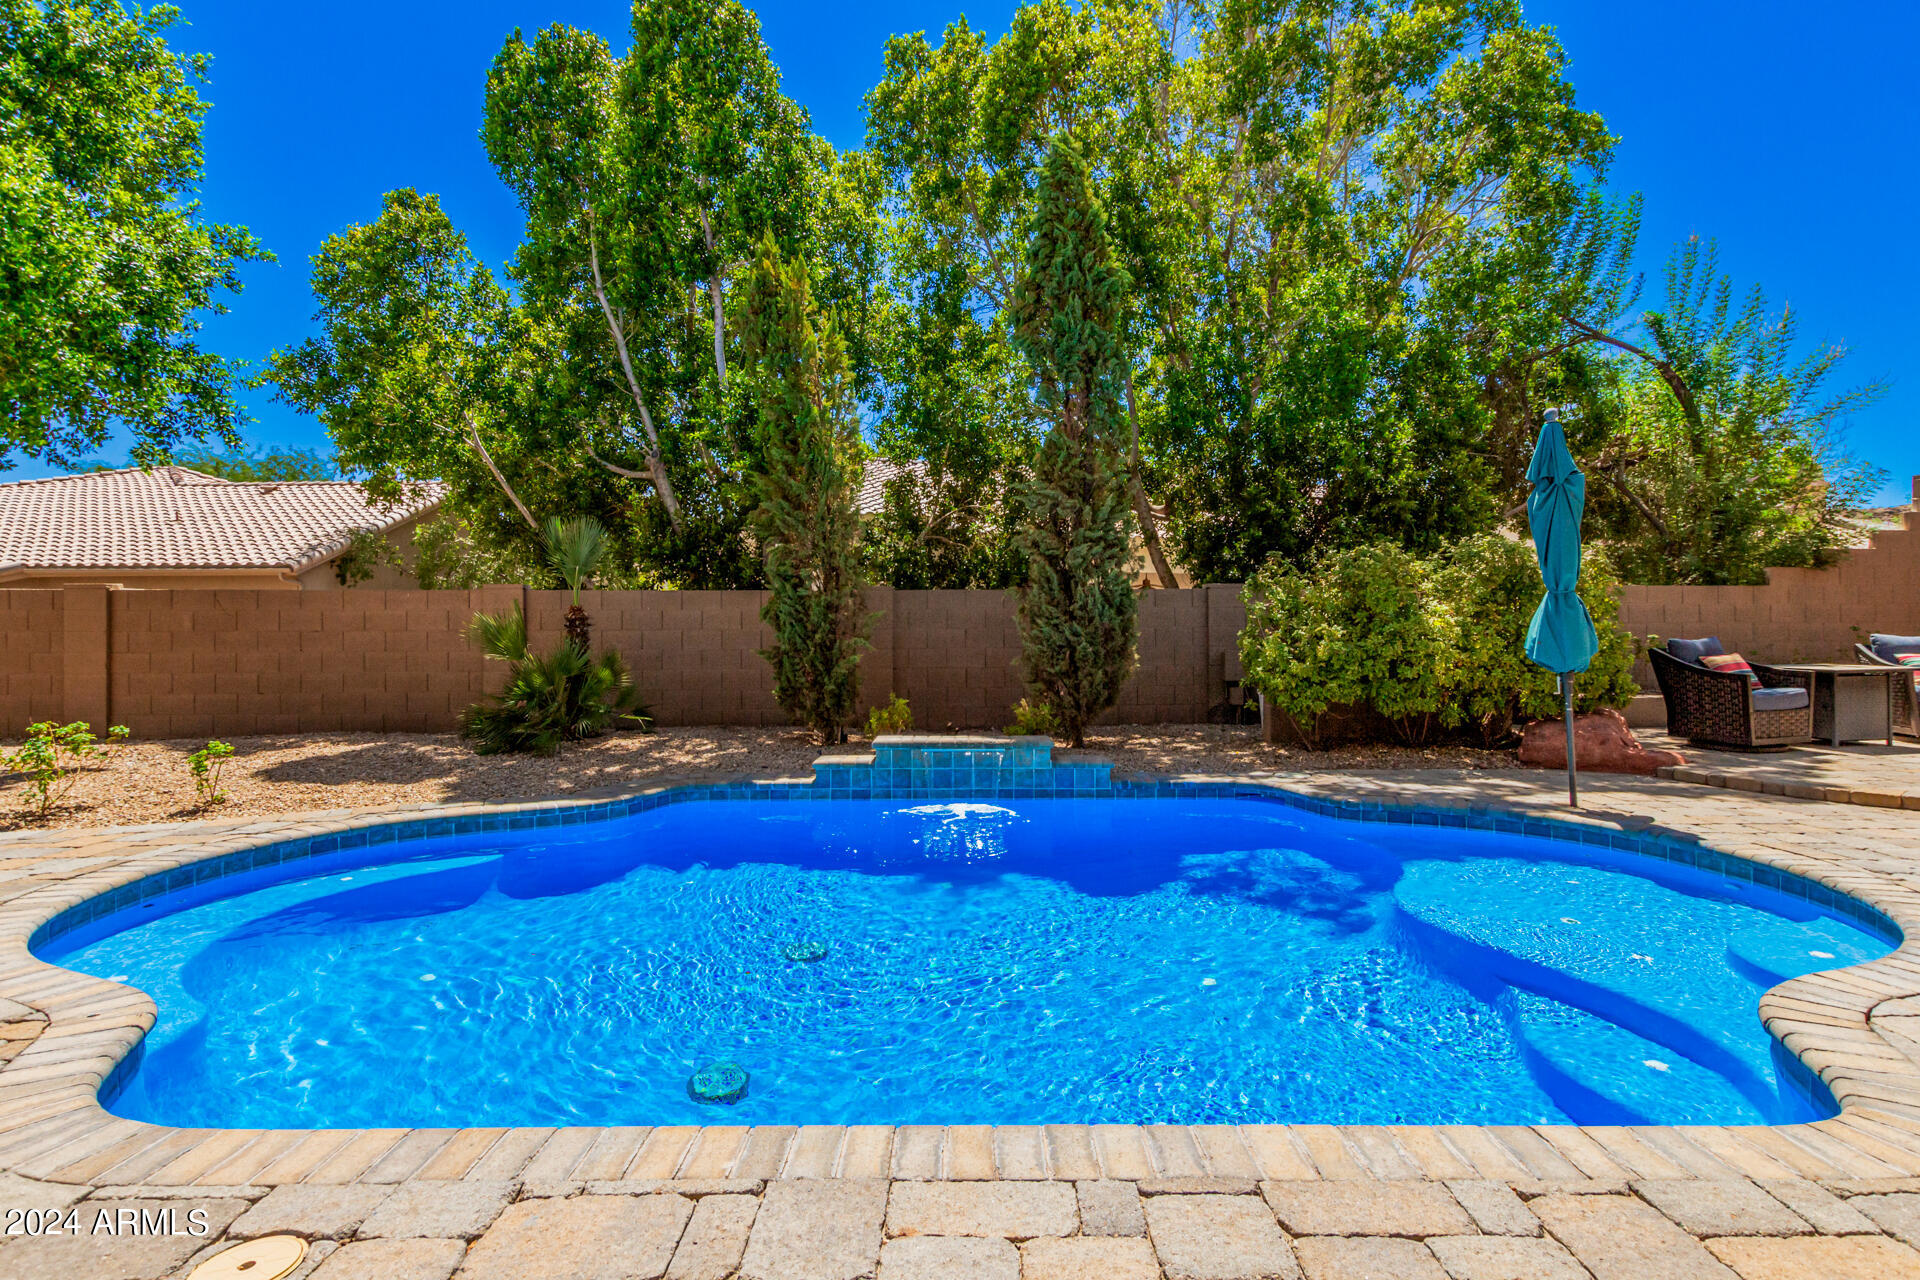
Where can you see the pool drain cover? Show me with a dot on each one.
(267, 1258)
(721, 1082)
(806, 952)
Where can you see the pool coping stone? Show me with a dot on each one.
(53, 1128)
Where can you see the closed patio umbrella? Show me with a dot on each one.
(1561, 636)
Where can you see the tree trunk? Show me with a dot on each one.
(480, 447)
(656, 465)
(713, 291)
(579, 629)
(1149, 530)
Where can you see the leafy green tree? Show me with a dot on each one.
(1725, 456)
(1078, 616)
(1360, 205)
(943, 531)
(805, 518)
(647, 181)
(961, 130)
(600, 385)
(107, 268)
(450, 556)
(420, 360)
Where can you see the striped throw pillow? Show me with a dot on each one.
(1730, 663)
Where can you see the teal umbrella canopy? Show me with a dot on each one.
(1561, 637)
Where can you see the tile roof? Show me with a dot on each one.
(173, 518)
(872, 498)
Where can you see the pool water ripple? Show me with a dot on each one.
(1094, 961)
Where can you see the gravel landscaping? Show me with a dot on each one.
(269, 776)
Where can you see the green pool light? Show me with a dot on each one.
(806, 952)
(724, 1082)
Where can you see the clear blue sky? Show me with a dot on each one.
(1787, 132)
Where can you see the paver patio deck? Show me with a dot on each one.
(1869, 773)
(1834, 1200)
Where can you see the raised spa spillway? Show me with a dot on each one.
(1155, 958)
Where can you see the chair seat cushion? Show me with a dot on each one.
(1694, 650)
(1779, 699)
(1891, 647)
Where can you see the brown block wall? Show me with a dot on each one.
(1799, 615)
(193, 664)
(956, 657)
(32, 668)
(205, 663)
(694, 654)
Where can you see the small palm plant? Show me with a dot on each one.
(574, 549)
(550, 698)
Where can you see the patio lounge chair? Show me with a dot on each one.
(1883, 650)
(1724, 708)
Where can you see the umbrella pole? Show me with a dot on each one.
(1573, 785)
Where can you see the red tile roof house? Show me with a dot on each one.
(175, 528)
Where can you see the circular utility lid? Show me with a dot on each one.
(268, 1258)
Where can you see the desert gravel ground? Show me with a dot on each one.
(269, 776)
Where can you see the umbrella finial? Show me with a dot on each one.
(1553, 415)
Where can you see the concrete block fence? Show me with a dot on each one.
(199, 663)
(192, 664)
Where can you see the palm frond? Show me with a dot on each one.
(574, 549)
(501, 636)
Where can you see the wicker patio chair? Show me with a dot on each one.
(1723, 708)
(1879, 651)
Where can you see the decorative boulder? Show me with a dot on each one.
(1602, 743)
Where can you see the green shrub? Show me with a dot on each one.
(207, 764)
(894, 717)
(1424, 643)
(561, 696)
(1493, 586)
(49, 757)
(1364, 628)
(1032, 717)
(1079, 620)
(805, 514)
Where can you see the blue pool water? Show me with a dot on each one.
(1136, 960)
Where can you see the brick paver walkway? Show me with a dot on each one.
(1869, 773)
(1837, 1200)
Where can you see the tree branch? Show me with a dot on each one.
(662, 487)
(1668, 374)
(473, 434)
(713, 288)
(618, 469)
(1149, 531)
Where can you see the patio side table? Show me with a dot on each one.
(1852, 701)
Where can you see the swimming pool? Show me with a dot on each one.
(1136, 960)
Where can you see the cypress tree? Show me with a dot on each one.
(808, 530)
(1078, 616)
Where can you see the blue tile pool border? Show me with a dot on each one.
(1073, 780)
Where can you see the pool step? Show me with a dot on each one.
(1773, 952)
(1605, 1074)
(1613, 946)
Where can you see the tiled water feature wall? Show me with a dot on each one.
(912, 766)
